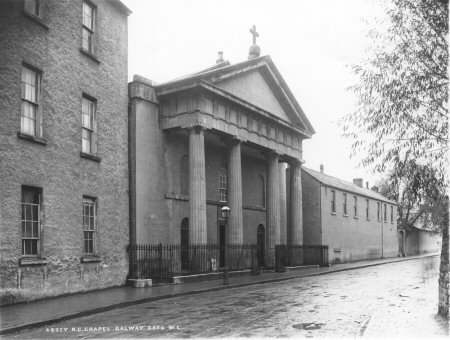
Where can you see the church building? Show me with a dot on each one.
(221, 137)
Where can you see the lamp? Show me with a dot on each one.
(225, 213)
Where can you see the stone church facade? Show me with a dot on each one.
(223, 136)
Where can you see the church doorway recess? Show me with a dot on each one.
(261, 244)
(184, 237)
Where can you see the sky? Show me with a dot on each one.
(312, 43)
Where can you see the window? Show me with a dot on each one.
(223, 192)
(33, 7)
(345, 203)
(367, 209)
(184, 175)
(89, 225)
(392, 214)
(31, 222)
(262, 199)
(88, 27)
(378, 211)
(333, 201)
(88, 125)
(385, 213)
(30, 117)
(355, 206)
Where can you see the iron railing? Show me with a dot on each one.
(160, 262)
(298, 255)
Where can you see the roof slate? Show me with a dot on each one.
(345, 186)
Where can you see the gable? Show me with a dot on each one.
(253, 88)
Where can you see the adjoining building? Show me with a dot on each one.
(64, 222)
(356, 223)
(417, 240)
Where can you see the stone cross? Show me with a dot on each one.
(254, 33)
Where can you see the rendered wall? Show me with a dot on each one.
(353, 238)
(57, 167)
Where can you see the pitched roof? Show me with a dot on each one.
(345, 186)
(225, 70)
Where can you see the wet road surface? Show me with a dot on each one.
(393, 299)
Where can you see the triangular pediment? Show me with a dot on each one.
(253, 88)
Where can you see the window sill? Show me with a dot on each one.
(91, 157)
(90, 258)
(32, 261)
(333, 213)
(356, 217)
(90, 55)
(345, 215)
(36, 19)
(34, 139)
(367, 219)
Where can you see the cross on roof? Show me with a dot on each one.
(254, 33)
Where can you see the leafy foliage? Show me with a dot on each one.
(419, 193)
(402, 92)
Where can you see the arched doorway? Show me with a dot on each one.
(261, 243)
(184, 253)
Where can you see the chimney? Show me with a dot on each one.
(220, 60)
(375, 188)
(358, 182)
(321, 168)
(367, 185)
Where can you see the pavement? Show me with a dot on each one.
(43, 312)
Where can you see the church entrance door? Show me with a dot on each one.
(261, 243)
(222, 245)
(184, 244)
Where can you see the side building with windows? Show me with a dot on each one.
(64, 204)
(356, 223)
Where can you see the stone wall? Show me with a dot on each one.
(52, 45)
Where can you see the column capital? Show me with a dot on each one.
(296, 162)
(270, 153)
(231, 140)
(198, 129)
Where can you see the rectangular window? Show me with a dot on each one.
(223, 192)
(88, 27)
(392, 214)
(333, 201)
(89, 225)
(88, 123)
(31, 221)
(345, 203)
(355, 206)
(33, 7)
(30, 118)
(385, 213)
(378, 211)
(367, 209)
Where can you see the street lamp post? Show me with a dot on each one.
(225, 212)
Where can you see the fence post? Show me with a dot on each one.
(160, 262)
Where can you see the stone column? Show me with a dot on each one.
(283, 208)
(235, 232)
(273, 208)
(197, 186)
(296, 235)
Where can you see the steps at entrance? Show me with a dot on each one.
(208, 276)
(289, 269)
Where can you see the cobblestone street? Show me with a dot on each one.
(397, 299)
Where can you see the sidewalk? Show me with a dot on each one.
(39, 313)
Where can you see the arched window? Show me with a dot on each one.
(262, 191)
(184, 175)
(223, 191)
